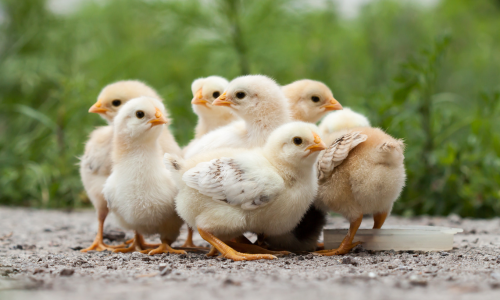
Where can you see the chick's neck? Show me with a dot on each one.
(260, 126)
(146, 146)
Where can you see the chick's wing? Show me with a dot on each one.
(337, 152)
(246, 184)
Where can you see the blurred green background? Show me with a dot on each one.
(428, 73)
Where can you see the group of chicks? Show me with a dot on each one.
(257, 164)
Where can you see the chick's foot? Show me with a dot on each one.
(254, 249)
(163, 248)
(339, 251)
(229, 252)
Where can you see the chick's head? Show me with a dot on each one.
(297, 143)
(252, 97)
(205, 91)
(113, 96)
(310, 100)
(140, 120)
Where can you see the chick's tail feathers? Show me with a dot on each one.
(174, 164)
(390, 152)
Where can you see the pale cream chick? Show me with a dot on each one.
(262, 106)
(210, 117)
(267, 190)
(95, 165)
(362, 172)
(310, 100)
(140, 191)
(340, 120)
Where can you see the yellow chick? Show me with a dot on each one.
(95, 164)
(140, 191)
(228, 192)
(310, 100)
(340, 120)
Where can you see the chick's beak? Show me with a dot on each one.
(318, 144)
(160, 119)
(97, 108)
(222, 101)
(333, 104)
(198, 99)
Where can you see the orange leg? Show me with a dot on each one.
(347, 243)
(98, 244)
(229, 252)
(320, 246)
(189, 240)
(379, 219)
(254, 249)
(164, 247)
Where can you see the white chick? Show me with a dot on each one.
(259, 101)
(95, 165)
(228, 192)
(140, 191)
(210, 117)
(345, 119)
(310, 100)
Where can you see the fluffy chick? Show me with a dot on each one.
(361, 173)
(210, 117)
(140, 191)
(340, 120)
(228, 192)
(310, 100)
(259, 101)
(95, 165)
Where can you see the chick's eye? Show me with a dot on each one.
(297, 141)
(139, 114)
(315, 99)
(116, 102)
(240, 95)
(216, 95)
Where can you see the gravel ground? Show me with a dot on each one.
(41, 261)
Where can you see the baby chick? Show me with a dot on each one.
(310, 100)
(210, 117)
(362, 172)
(140, 191)
(228, 192)
(95, 165)
(259, 101)
(345, 119)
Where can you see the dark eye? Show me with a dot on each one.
(216, 95)
(315, 99)
(139, 114)
(116, 102)
(240, 95)
(297, 141)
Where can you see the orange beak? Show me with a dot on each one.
(198, 99)
(332, 105)
(97, 108)
(318, 144)
(222, 101)
(160, 119)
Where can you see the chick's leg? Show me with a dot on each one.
(379, 220)
(229, 252)
(163, 248)
(189, 240)
(98, 244)
(347, 243)
(213, 252)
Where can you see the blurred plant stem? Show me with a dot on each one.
(233, 12)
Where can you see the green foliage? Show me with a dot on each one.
(425, 74)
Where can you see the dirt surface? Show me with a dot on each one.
(41, 261)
